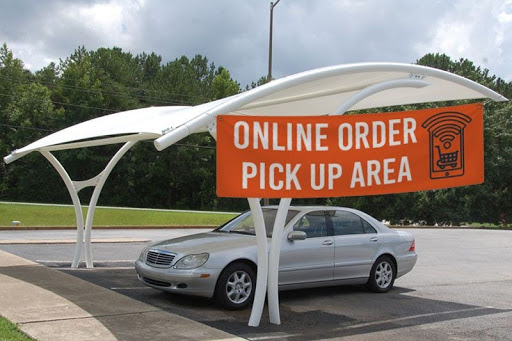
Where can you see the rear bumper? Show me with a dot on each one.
(188, 282)
(406, 263)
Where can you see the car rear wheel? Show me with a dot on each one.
(236, 286)
(382, 275)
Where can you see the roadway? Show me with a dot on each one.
(459, 289)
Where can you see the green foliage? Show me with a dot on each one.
(185, 82)
(261, 81)
(89, 84)
(223, 85)
(9, 331)
(11, 75)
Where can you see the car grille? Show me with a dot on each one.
(159, 258)
(155, 282)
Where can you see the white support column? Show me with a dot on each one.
(94, 199)
(73, 188)
(273, 261)
(73, 192)
(261, 276)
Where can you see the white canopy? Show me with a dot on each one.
(326, 91)
(315, 92)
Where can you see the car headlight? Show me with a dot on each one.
(143, 253)
(192, 261)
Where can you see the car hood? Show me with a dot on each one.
(206, 242)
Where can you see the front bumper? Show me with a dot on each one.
(188, 282)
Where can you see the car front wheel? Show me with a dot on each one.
(236, 286)
(382, 275)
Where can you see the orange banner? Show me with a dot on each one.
(349, 155)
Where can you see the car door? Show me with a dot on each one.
(309, 260)
(356, 243)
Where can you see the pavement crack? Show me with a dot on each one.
(91, 317)
(465, 283)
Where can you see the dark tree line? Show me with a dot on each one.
(90, 84)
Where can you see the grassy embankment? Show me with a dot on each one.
(46, 215)
(31, 215)
(9, 331)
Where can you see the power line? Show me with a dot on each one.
(99, 92)
(150, 90)
(66, 104)
(116, 94)
(29, 128)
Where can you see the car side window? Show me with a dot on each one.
(345, 223)
(313, 224)
(367, 227)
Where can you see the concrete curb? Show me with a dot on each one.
(399, 227)
(72, 241)
(180, 227)
(107, 227)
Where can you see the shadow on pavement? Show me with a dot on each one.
(305, 314)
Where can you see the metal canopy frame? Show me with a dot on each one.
(326, 91)
(76, 186)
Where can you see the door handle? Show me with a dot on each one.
(327, 242)
(374, 239)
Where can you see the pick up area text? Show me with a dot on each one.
(327, 156)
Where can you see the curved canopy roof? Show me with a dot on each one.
(316, 92)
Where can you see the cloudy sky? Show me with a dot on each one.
(234, 33)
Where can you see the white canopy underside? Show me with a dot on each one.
(315, 92)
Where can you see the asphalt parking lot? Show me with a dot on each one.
(460, 289)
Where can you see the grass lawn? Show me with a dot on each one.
(9, 331)
(47, 215)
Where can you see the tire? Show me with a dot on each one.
(236, 286)
(382, 275)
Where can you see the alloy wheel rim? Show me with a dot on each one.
(239, 287)
(383, 275)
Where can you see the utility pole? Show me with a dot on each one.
(266, 201)
(272, 5)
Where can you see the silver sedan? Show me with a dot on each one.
(321, 246)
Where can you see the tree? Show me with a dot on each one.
(11, 74)
(12, 79)
(89, 84)
(31, 116)
(223, 85)
(149, 65)
(261, 81)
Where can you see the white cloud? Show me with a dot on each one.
(307, 34)
(476, 31)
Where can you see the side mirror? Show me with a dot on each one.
(297, 235)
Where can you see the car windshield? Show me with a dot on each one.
(245, 224)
